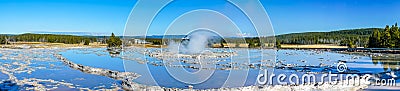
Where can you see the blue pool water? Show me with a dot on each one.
(159, 75)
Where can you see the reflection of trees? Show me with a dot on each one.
(385, 66)
(114, 52)
(391, 65)
(375, 62)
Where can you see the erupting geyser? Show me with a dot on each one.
(195, 42)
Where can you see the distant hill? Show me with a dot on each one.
(75, 33)
(341, 37)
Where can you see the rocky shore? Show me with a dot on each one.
(98, 71)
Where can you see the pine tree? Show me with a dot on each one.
(114, 41)
(393, 37)
(386, 37)
(396, 36)
(278, 44)
(375, 39)
(87, 41)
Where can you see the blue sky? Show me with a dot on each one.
(326, 15)
(64, 15)
(106, 16)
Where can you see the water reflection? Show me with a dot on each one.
(114, 53)
(39, 69)
(388, 65)
(154, 72)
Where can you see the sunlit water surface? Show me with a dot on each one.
(158, 75)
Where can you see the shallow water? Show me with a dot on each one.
(94, 60)
(41, 65)
(63, 73)
(3, 76)
(171, 77)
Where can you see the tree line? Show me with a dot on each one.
(49, 38)
(388, 38)
(351, 37)
(112, 41)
